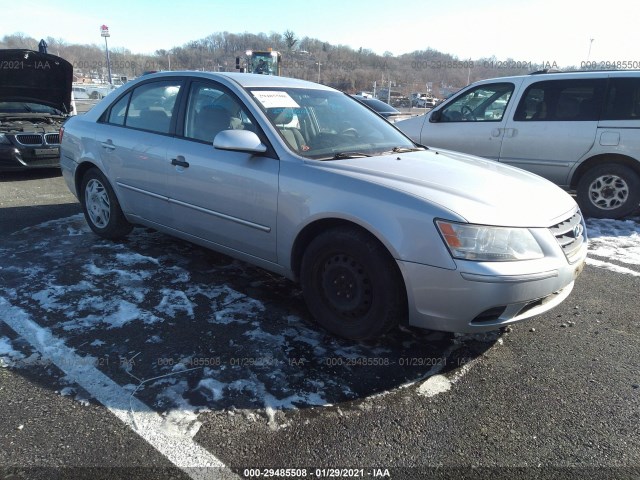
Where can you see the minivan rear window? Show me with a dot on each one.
(562, 100)
(623, 99)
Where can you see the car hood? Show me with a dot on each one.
(30, 76)
(477, 190)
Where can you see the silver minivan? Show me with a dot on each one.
(581, 130)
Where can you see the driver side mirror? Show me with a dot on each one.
(435, 116)
(239, 141)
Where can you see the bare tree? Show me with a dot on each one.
(290, 39)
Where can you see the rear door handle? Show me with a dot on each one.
(180, 162)
(108, 145)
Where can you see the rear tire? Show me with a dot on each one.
(352, 285)
(609, 191)
(101, 208)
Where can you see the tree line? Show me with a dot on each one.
(348, 69)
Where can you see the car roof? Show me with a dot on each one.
(247, 80)
(537, 77)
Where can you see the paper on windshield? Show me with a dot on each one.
(275, 99)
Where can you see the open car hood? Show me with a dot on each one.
(30, 76)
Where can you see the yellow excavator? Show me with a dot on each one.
(261, 62)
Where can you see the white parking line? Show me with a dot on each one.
(178, 448)
(611, 266)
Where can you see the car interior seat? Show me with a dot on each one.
(154, 120)
(210, 121)
(282, 118)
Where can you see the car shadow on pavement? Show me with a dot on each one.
(182, 327)
(38, 174)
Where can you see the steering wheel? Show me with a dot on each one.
(467, 112)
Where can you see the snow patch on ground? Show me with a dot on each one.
(182, 417)
(434, 385)
(614, 242)
(8, 355)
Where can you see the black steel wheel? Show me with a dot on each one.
(352, 285)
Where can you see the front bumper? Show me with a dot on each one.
(468, 301)
(25, 158)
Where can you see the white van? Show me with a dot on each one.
(581, 130)
(80, 93)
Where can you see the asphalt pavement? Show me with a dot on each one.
(227, 362)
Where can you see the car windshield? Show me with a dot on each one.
(328, 125)
(27, 107)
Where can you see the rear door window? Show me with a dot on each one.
(562, 100)
(623, 99)
(118, 111)
(152, 106)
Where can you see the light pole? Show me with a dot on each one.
(590, 43)
(104, 31)
(318, 63)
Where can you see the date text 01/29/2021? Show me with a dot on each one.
(317, 472)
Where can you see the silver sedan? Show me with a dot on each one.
(304, 181)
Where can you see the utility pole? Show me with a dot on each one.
(104, 31)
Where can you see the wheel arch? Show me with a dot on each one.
(313, 229)
(601, 159)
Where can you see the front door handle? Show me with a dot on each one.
(180, 162)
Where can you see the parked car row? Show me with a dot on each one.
(423, 100)
(307, 182)
(394, 98)
(580, 130)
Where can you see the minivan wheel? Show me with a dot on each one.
(101, 208)
(351, 284)
(609, 191)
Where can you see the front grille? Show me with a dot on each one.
(570, 234)
(29, 139)
(52, 138)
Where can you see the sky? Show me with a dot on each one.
(551, 32)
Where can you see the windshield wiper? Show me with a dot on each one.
(407, 149)
(343, 155)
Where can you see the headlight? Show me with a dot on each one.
(488, 244)
(4, 140)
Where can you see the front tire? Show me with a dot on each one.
(101, 208)
(352, 285)
(609, 191)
